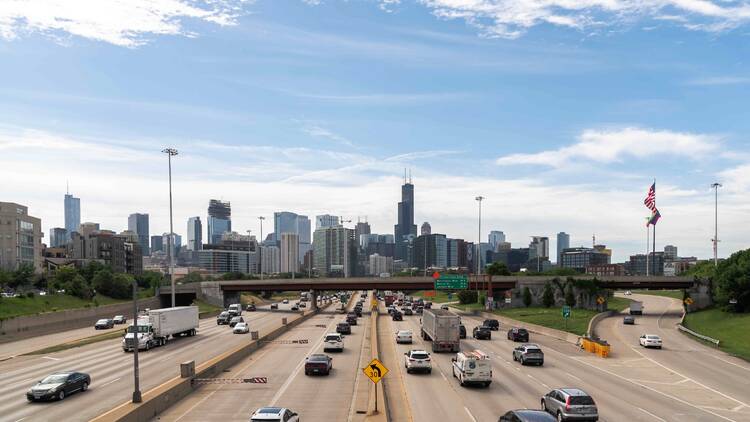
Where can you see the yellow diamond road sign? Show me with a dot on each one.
(600, 300)
(375, 370)
(688, 301)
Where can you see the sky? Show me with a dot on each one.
(561, 114)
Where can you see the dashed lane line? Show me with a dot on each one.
(651, 414)
(470, 415)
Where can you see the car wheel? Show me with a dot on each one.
(61, 395)
(429, 371)
(559, 416)
(541, 363)
(544, 405)
(523, 361)
(85, 386)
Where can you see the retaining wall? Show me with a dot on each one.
(21, 327)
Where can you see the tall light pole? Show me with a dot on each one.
(479, 237)
(261, 218)
(170, 244)
(136, 378)
(716, 187)
(249, 241)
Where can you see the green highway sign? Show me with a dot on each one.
(566, 311)
(451, 282)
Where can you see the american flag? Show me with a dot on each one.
(650, 200)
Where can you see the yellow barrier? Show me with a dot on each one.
(601, 348)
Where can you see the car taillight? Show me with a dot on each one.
(567, 403)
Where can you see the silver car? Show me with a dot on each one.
(570, 404)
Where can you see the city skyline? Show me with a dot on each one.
(559, 123)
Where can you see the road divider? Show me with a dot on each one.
(160, 398)
(697, 335)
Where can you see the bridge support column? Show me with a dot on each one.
(314, 300)
(490, 293)
(231, 298)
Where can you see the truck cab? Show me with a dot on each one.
(145, 336)
(235, 310)
(472, 368)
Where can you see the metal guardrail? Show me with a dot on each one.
(700, 336)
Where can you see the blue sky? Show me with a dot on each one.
(559, 113)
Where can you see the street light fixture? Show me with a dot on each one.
(716, 187)
(170, 243)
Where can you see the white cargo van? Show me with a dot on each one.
(235, 309)
(472, 368)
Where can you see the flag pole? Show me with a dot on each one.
(648, 242)
(653, 260)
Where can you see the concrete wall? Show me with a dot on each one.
(34, 325)
(584, 300)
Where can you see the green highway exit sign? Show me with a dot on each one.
(451, 282)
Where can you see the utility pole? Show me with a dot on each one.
(260, 250)
(136, 380)
(170, 244)
(249, 242)
(716, 187)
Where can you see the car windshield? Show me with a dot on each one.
(101, 321)
(581, 401)
(55, 379)
(141, 329)
(653, 337)
(318, 358)
(240, 325)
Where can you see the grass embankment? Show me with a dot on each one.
(285, 295)
(441, 296)
(730, 329)
(205, 307)
(618, 303)
(114, 333)
(248, 298)
(17, 306)
(675, 294)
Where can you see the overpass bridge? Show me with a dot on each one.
(225, 292)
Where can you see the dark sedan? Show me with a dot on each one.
(408, 311)
(482, 333)
(397, 316)
(58, 386)
(492, 323)
(104, 324)
(526, 415)
(318, 364)
(351, 319)
(518, 334)
(343, 328)
(628, 320)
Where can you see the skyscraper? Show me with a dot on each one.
(563, 242)
(72, 213)
(405, 227)
(326, 220)
(426, 229)
(539, 247)
(496, 238)
(332, 251)
(20, 238)
(219, 220)
(289, 222)
(670, 252)
(157, 244)
(138, 223)
(289, 252)
(194, 234)
(58, 236)
(362, 228)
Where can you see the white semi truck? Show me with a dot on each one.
(155, 328)
(441, 327)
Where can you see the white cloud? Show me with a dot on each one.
(321, 132)
(126, 23)
(511, 19)
(607, 146)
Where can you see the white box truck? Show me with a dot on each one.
(155, 328)
(441, 327)
(636, 308)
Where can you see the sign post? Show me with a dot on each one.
(375, 371)
(566, 315)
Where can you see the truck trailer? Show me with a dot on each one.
(155, 328)
(441, 327)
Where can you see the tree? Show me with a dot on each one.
(732, 282)
(122, 286)
(149, 279)
(192, 278)
(466, 297)
(103, 282)
(705, 269)
(5, 278)
(63, 277)
(548, 296)
(570, 298)
(89, 271)
(498, 268)
(527, 296)
(23, 276)
(78, 287)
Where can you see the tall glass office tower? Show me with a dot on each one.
(219, 220)
(72, 214)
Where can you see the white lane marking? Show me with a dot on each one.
(651, 414)
(470, 415)
(737, 409)
(683, 376)
(443, 375)
(539, 381)
(573, 376)
(19, 420)
(110, 382)
(47, 357)
(731, 363)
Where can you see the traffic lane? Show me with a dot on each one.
(707, 365)
(277, 362)
(111, 371)
(687, 361)
(431, 397)
(614, 384)
(19, 347)
(327, 398)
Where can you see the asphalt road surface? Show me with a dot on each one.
(111, 370)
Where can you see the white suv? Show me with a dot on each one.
(279, 414)
(650, 340)
(417, 360)
(333, 341)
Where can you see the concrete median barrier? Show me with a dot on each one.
(160, 398)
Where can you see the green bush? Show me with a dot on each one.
(570, 298)
(30, 295)
(548, 296)
(527, 296)
(466, 297)
(732, 282)
(80, 288)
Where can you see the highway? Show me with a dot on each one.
(315, 398)
(111, 370)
